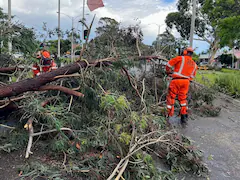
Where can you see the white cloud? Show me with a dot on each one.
(34, 12)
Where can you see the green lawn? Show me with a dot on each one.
(207, 77)
(227, 80)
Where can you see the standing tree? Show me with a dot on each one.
(229, 31)
(227, 59)
(166, 43)
(210, 16)
(23, 38)
(112, 40)
(65, 46)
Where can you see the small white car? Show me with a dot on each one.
(17, 55)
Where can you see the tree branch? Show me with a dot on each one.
(129, 79)
(34, 84)
(61, 88)
(9, 70)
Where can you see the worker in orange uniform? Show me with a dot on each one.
(45, 58)
(182, 69)
(46, 62)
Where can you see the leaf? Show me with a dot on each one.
(125, 138)
(210, 157)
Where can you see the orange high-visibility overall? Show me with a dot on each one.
(36, 70)
(46, 63)
(184, 71)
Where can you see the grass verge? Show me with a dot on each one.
(226, 80)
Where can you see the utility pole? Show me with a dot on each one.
(233, 57)
(9, 26)
(192, 22)
(83, 21)
(158, 43)
(59, 34)
(72, 39)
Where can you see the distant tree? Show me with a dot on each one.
(65, 45)
(229, 31)
(211, 15)
(195, 57)
(165, 44)
(111, 40)
(227, 59)
(23, 38)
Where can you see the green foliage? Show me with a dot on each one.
(201, 96)
(226, 80)
(59, 145)
(103, 123)
(17, 140)
(114, 41)
(208, 77)
(166, 42)
(227, 59)
(125, 138)
(65, 45)
(112, 102)
(143, 122)
(228, 31)
(223, 16)
(185, 160)
(195, 57)
(36, 170)
(217, 21)
(23, 38)
(181, 20)
(229, 84)
(134, 116)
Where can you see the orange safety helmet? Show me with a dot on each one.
(189, 49)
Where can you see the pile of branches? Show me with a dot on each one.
(110, 132)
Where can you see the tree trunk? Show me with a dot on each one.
(214, 49)
(34, 84)
(137, 44)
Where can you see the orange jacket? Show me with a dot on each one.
(184, 67)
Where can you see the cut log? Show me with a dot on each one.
(33, 84)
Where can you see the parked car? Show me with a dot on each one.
(203, 63)
(203, 66)
(18, 55)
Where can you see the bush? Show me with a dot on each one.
(229, 84)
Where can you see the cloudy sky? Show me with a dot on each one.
(149, 12)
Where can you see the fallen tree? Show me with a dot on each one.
(35, 84)
(123, 131)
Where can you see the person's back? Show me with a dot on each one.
(184, 67)
(184, 70)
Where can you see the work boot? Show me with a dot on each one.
(184, 118)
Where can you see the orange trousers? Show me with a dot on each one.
(177, 87)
